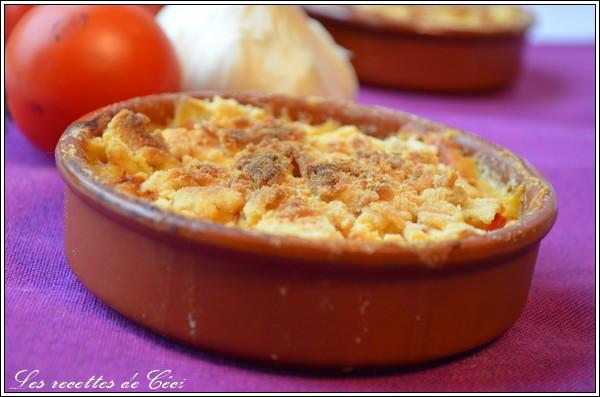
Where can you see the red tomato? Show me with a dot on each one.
(498, 222)
(12, 14)
(65, 61)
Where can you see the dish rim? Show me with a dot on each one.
(464, 253)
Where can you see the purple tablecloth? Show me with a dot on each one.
(54, 325)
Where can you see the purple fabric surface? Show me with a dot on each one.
(54, 325)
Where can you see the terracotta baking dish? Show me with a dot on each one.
(400, 55)
(286, 300)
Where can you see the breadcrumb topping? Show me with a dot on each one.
(242, 166)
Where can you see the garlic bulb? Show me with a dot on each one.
(264, 48)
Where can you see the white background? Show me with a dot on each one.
(563, 23)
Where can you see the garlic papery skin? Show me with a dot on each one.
(261, 48)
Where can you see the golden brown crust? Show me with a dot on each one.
(132, 129)
(238, 138)
(241, 166)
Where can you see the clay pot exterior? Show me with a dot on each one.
(449, 61)
(335, 305)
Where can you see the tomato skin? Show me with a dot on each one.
(12, 15)
(65, 61)
(498, 223)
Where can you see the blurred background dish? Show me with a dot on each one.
(458, 49)
(439, 19)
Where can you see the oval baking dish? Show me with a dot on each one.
(405, 55)
(294, 301)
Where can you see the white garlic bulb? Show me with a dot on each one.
(263, 48)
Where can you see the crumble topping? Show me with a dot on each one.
(241, 166)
